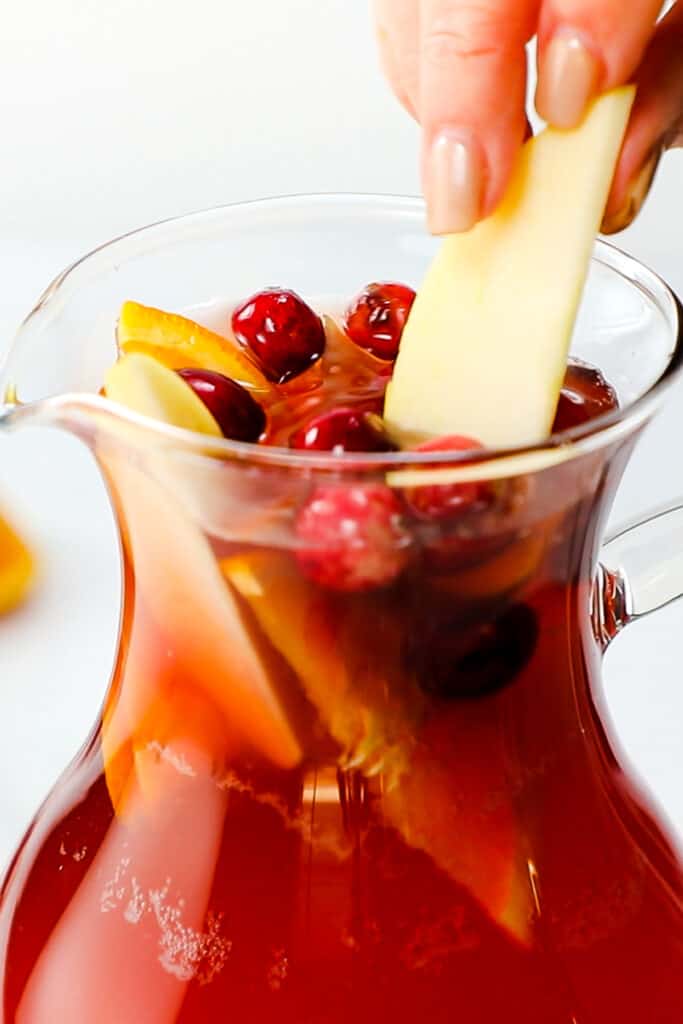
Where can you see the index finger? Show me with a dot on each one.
(471, 103)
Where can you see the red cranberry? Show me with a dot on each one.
(239, 416)
(342, 430)
(585, 394)
(441, 501)
(456, 659)
(283, 332)
(352, 537)
(376, 318)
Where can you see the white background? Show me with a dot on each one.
(113, 115)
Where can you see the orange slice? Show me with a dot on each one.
(455, 804)
(178, 342)
(506, 571)
(444, 776)
(346, 655)
(16, 568)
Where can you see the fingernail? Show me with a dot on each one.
(568, 79)
(635, 197)
(455, 185)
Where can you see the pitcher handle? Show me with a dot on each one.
(640, 571)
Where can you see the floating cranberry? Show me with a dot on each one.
(585, 394)
(460, 660)
(352, 537)
(239, 416)
(441, 501)
(284, 334)
(343, 430)
(376, 318)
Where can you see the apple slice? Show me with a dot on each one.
(178, 342)
(484, 350)
(146, 386)
(178, 582)
(134, 935)
(16, 568)
(209, 640)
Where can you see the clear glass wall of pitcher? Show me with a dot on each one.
(315, 808)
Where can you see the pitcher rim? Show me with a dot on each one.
(593, 435)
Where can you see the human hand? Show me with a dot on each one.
(459, 67)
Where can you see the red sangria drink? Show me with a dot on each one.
(352, 765)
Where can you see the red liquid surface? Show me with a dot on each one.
(456, 842)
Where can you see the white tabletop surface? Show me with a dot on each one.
(109, 129)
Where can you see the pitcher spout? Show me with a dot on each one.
(84, 415)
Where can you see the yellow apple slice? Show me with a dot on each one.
(178, 582)
(139, 910)
(178, 342)
(16, 568)
(146, 386)
(208, 637)
(484, 350)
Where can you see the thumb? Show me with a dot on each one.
(656, 122)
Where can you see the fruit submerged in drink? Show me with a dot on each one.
(349, 767)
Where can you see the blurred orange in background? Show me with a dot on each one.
(17, 567)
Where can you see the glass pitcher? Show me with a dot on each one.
(313, 807)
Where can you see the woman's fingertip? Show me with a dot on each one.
(569, 78)
(636, 194)
(455, 184)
